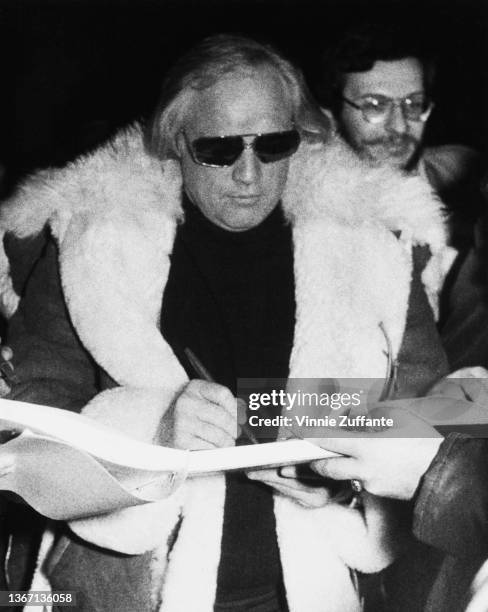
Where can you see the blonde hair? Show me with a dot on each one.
(208, 62)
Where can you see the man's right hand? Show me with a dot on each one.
(203, 416)
(388, 463)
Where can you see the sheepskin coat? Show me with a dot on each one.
(113, 214)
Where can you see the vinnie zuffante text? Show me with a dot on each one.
(296, 401)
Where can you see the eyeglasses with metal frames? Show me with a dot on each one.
(377, 108)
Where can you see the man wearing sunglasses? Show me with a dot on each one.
(241, 229)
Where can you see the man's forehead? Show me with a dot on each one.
(240, 102)
(394, 78)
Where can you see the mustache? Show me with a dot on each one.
(394, 140)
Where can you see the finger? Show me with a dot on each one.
(217, 416)
(448, 388)
(266, 474)
(193, 414)
(475, 389)
(301, 473)
(312, 498)
(338, 468)
(350, 446)
(215, 393)
(206, 436)
(275, 481)
(193, 443)
(288, 471)
(295, 486)
(189, 427)
(216, 437)
(273, 478)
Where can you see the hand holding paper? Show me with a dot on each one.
(69, 466)
(285, 480)
(388, 463)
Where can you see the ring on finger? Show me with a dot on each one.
(357, 486)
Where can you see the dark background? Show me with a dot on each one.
(74, 71)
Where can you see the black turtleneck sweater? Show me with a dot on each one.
(230, 298)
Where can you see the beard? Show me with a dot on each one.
(398, 150)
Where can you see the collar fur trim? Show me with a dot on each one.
(325, 180)
(114, 215)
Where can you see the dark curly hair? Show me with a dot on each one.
(357, 51)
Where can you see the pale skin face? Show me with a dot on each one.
(394, 142)
(240, 196)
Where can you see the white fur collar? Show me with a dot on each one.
(119, 179)
(114, 216)
(324, 181)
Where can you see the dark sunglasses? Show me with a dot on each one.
(223, 151)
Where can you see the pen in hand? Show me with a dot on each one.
(202, 371)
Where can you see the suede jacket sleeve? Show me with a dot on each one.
(451, 505)
(51, 365)
(465, 330)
